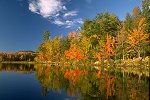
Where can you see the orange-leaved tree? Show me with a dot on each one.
(137, 38)
(73, 53)
(74, 75)
(107, 48)
(72, 35)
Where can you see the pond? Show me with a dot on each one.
(49, 82)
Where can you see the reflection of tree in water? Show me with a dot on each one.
(49, 78)
(97, 85)
(21, 68)
(91, 84)
(44, 91)
(43, 74)
(131, 88)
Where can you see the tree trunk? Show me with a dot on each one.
(123, 56)
(138, 54)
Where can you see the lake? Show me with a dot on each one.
(49, 82)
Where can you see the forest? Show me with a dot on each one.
(104, 38)
(17, 56)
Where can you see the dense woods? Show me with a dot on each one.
(18, 56)
(103, 38)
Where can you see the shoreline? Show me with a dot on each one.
(18, 62)
(134, 67)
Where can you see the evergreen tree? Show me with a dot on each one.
(46, 36)
(128, 23)
(146, 14)
(108, 23)
(136, 13)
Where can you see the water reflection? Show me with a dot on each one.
(88, 83)
(21, 68)
(84, 83)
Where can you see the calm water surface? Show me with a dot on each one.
(41, 82)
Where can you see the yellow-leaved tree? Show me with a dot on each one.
(137, 38)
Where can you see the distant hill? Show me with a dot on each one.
(18, 56)
(24, 52)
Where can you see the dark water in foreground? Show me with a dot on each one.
(40, 82)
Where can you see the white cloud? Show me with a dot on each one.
(64, 7)
(45, 8)
(70, 13)
(58, 22)
(55, 11)
(68, 23)
(80, 21)
(33, 7)
(71, 23)
(57, 15)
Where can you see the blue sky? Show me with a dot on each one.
(22, 22)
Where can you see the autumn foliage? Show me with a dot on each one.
(73, 75)
(72, 35)
(137, 36)
(107, 48)
(109, 82)
(73, 53)
(104, 38)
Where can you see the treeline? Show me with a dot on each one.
(103, 38)
(18, 56)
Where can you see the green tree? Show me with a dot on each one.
(108, 23)
(46, 36)
(146, 14)
(128, 23)
(120, 44)
(136, 15)
(103, 23)
(65, 44)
